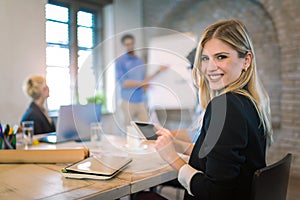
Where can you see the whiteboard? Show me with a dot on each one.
(173, 88)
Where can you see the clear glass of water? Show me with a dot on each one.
(28, 131)
(96, 132)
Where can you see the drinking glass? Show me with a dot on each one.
(96, 132)
(28, 131)
(133, 139)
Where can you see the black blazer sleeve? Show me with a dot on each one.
(224, 120)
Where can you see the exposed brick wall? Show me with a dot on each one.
(286, 17)
(274, 26)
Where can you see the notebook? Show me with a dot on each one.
(96, 167)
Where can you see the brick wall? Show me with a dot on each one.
(286, 18)
(274, 26)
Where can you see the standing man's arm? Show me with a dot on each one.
(134, 83)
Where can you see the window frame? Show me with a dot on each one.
(74, 7)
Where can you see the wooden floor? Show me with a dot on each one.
(294, 188)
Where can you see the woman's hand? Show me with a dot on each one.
(165, 146)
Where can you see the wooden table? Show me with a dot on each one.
(44, 181)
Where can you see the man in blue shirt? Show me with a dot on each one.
(130, 72)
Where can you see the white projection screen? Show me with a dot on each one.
(172, 89)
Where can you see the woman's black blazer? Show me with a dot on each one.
(41, 123)
(232, 123)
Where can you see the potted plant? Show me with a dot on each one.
(99, 99)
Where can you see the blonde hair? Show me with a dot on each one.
(235, 34)
(34, 86)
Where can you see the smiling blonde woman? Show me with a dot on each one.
(236, 125)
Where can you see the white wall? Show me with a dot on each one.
(128, 19)
(22, 53)
(109, 55)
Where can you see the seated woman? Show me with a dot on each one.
(236, 126)
(38, 90)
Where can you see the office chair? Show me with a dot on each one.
(271, 182)
(173, 184)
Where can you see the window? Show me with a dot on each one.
(58, 59)
(85, 32)
(57, 55)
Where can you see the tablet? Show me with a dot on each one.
(145, 129)
(96, 167)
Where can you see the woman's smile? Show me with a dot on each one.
(215, 77)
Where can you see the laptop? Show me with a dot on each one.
(74, 123)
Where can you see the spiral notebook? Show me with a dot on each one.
(96, 167)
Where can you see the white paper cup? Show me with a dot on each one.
(133, 139)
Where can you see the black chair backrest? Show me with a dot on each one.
(271, 182)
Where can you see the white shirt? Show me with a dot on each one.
(185, 175)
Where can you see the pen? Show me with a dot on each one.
(16, 127)
(1, 137)
(5, 137)
(11, 131)
(6, 130)
(1, 130)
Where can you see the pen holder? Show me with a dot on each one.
(8, 142)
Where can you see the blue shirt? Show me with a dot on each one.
(130, 67)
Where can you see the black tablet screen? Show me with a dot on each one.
(148, 130)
